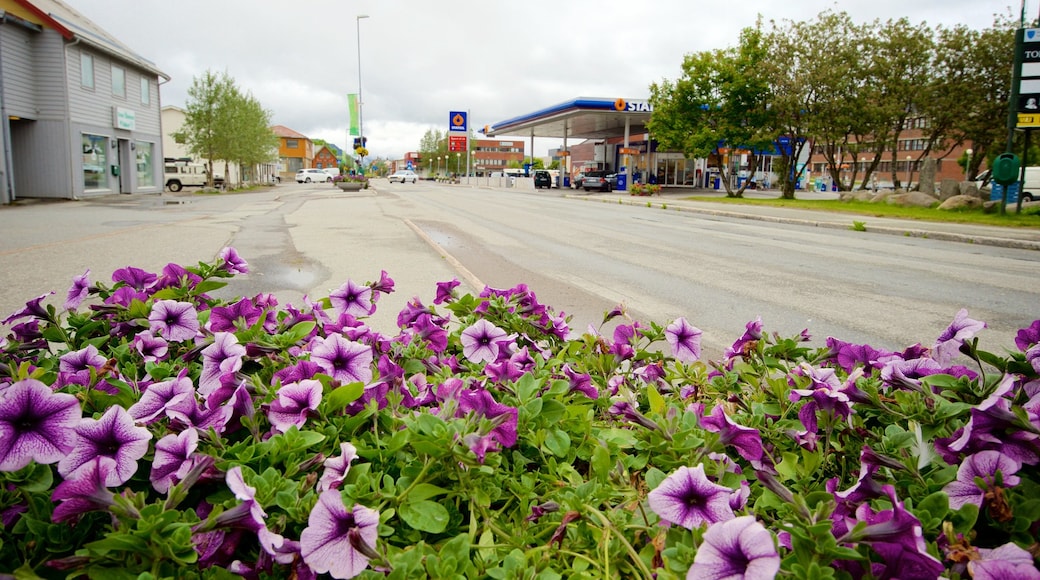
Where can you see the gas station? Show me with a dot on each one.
(617, 128)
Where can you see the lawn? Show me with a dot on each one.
(1029, 218)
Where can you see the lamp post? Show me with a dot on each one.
(908, 158)
(361, 106)
(967, 166)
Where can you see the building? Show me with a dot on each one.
(295, 152)
(79, 110)
(325, 159)
(172, 121)
(491, 155)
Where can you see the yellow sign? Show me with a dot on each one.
(628, 151)
(562, 153)
(1028, 120)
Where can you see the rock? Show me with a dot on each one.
(926, 177)
(961, 202)
(912, 199)
(948, 188)
(969, 188)
(860, 195)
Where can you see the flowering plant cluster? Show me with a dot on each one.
(150, 430)
(645, 189)
(350, 178)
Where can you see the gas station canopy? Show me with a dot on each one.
(582, 118)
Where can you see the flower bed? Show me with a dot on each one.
(148, 430)
(645, 189)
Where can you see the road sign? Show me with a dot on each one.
(457, 143)
(1028, 120)
(457, 121)
(1029, 77)
(628, 151)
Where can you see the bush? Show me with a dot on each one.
(148, 430)
(645, 189)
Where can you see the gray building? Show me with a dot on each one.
(80, 110)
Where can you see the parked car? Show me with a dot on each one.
(600, 180)
(178, 174)
(403, 176)
(312, 175)
(542, 179)
(577, 181)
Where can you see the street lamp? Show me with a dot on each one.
(908, 158)
(967, 166)
(361, 106)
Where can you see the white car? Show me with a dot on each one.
(403, 176)
(312, 176)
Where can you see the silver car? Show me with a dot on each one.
(403, 176)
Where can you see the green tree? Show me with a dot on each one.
(208, 119)
(254, 142)
(434, 144)
(721, 100)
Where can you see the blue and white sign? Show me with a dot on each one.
(996, 192)
(457, 121)
(409, 166)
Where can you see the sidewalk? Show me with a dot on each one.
(1021, 238)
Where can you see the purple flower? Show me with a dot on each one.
(848, 356)
(752, 333)
(736, 549)
(343, 360)
(33, 308)
(114, 435)
(135, 278)
(223, 318)
(233, 263)
(336, 468)
(949, 342)
(220, 359)
(85, 491)
(688, 498)
(78, 291)
(1007, 562)
(983, 465)
(294, 401)
(580, 382)
(747, 441)
(433, 333)
(36, 424)
(685, 340)
(446, 291)
(334, 537)
(158, 397)
(172, 452)
(480, 341)
(353, 299)
(152, 348)
(825, 393)
(75, 366)
(1028, 337)
(175, 321)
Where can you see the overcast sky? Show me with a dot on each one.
(421, 59)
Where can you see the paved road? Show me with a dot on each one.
(581, 255)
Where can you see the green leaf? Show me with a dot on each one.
(425, 491)
(558, 442)
(936, 504)
(301, 330)
(527, 387)
(209, 286)
(656, 400)
(425, 516)
(339, 398)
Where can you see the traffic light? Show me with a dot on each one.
(1005, 168)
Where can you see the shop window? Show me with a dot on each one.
(94, 160)
(144, 153)
(292, 144)
(146, 90)
(86, 70)
(118, 81)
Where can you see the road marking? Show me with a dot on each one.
(463, 271)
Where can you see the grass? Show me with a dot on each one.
(1027, 219)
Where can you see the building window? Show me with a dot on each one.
(144, 152)
(95, 151)
(292, 144)
(146, 90)
(86, 70)
(118, 81)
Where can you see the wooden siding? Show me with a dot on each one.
(19, 88)
(40, 159)
(49, 68)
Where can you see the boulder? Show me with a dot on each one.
(912, 199)
(969, 188)
(860, 195)
(961, 202)
(926, 176)
(948, 188)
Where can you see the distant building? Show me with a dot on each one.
(325, 159)
(79, 109)
(490, 155)
(295, 152)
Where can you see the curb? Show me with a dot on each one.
(913, 233)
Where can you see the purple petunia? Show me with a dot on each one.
(114, 435)
(233, 263)
(949, 342)
(1007, 562)
(220, 359)
(175, 321)
(172, 453)
(342, 359)
(336, 468)
(159, 397)
(982, 465)
(685, 340)
(747, 441)
(292, 404)
(151, 348)
(224, 318)
(736, 549)
(78, 291)
(87, 490)
(480, 341)
(353, 299)
(752, 333)
(75, 366)
(689, 499)
(334, 537)
(446, 291)
(36, 424)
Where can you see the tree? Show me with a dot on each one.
(208, 119)
(433, 144)
(254, 143)
(718, 105)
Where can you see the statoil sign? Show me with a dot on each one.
(626, 106)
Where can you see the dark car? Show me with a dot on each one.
(600, 180)
(542, 179)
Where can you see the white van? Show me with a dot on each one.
(1031, 185)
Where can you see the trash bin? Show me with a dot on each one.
(567, 181)
(622, 181)
(717, 183)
